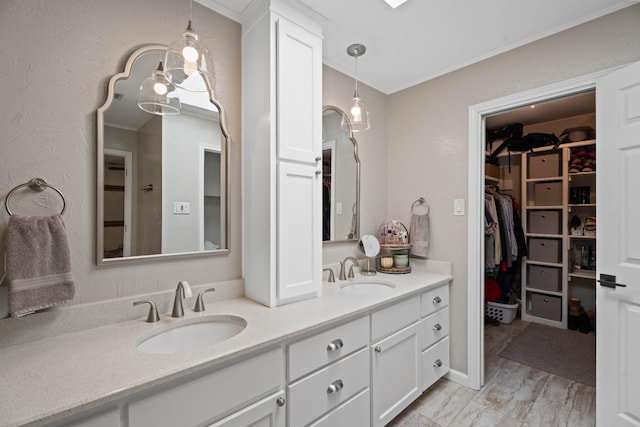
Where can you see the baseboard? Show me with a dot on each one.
(460, 378)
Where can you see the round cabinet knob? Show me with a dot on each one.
(318, 172)
(335, 345)
(318, 158)
(437, 300)
(378, 350)
(437, 363)
(281, 401)
(437, 327)
(335, 387)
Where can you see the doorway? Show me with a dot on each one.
(478, 115)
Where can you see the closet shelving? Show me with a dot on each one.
(550, 270)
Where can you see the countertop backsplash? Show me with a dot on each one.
(68, 319)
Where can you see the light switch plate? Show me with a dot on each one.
(181, 208)
(458, 207)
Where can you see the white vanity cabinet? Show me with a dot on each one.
(329, 377)
(231, 390)
(395, 359)
(435, 334)
(281, 155)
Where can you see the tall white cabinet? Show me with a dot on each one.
(281, 154)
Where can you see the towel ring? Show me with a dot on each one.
(421, 201)
(36, 184)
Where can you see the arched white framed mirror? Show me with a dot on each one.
(162, 180)
(341, 179)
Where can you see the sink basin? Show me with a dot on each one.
(368, 286)
(192, 336)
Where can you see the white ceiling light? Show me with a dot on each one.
(394, 3)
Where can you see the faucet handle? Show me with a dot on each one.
(152, 317)
(199, 301)
(332, 277)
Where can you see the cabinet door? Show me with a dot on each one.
(396, 373)
(269, 412)
(299, 233)
(299, 93)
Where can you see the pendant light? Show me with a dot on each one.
(157, 95)
(188, 64)
(358, 111)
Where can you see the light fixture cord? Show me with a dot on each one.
(356, 94)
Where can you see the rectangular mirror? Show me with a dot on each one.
(162, 179)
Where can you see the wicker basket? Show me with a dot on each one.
(505, 313)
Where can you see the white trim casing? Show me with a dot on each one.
(475, 259)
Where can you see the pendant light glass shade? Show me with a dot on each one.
(157, 95)
(359, 115)
(358, 111)
(188, 64)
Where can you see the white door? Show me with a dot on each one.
(618, 248)
(299, 236)
(395, 373)
(299, 93)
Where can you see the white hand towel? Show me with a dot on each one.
(419, 232)
(38, 264)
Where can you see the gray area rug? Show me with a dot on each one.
(562, 352)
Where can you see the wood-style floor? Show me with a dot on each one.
(513, 395)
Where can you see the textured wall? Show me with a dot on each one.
(428, 128)
(57, 59)
(337, 90)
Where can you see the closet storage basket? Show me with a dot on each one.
(505, 313)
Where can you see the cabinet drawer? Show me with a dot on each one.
(547, 193)
(354, 413)
(545, 278)
(395, 317)
(435, 363)
(545, 250)
(325, 347)
(544, 222)
(435, 327)
(318, 393)
(435, 299)
(544, 165)
(546, 306)
(211, 395)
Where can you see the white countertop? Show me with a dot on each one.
(49, 379)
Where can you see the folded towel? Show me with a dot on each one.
(419, 232)
(38, 264)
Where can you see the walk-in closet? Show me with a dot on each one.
(540, 237)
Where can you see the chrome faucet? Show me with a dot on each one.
(343, 266)
(332, 277)
(182, 291)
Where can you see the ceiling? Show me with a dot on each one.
(423, 39)
(556, 109)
